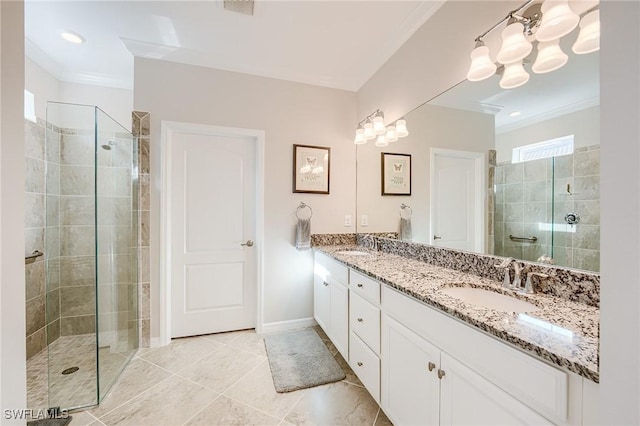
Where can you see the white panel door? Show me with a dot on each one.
(212, 193)
(457, 200)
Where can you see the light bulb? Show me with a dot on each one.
(381, 141)
(557, 20)
(514, 76)
(481, 66)
(359, 137)
(391, 134)
(515, 46)
(401, 128)
(589, 38)
(378, 125)
(72, 37)
(550, 57)
(368, 131)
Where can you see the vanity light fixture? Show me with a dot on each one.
(374, 127)
(544, 24)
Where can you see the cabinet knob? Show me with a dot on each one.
(326, 284)
(360, 319)
(440, 373)
(360, 364)
(431, 366)
(360, 285)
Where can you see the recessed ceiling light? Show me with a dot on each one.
(514, 113)
(72, 37)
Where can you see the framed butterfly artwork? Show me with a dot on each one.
(396, 174)
(311, 169)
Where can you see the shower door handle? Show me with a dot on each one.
(249, 243)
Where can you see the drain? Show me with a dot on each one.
(70, 370)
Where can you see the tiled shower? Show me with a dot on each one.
(83, 213)
(532, 199)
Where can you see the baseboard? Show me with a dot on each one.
(274, 327)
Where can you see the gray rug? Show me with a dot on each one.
(300, 360)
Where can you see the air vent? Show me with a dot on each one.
(241, 6)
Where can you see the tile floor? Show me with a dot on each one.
(224, 379)
(47, 387)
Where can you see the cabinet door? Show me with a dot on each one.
(409, 381)
(468, 398)
(322, 303)
(340, 318)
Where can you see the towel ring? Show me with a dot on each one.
(405, 207)
(304, 206)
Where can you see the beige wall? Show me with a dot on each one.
(289, 113)
(584, 125)
(12, 282)
(429, 127)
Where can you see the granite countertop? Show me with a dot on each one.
(562, 332)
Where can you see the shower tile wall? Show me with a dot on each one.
(141, 128)
(580, 246)
(524, 201)
(77, 232)
(42, 188)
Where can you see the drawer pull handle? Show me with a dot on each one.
(431, 366)
(360, 364)
(360, 285)
(440, 373)
(360, 320)
(326, 284)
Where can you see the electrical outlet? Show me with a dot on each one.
(364, 220)
(347, 220)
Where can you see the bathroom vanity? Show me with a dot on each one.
(428, 355)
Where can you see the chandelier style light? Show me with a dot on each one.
(374, 127)
(542, 24)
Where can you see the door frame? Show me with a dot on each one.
(167, 130)
(480, 188)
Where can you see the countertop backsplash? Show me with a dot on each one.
(571, 284)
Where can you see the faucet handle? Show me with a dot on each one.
(528, 286)
(505, 263)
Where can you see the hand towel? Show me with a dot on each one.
(404, 233)
(303, 234)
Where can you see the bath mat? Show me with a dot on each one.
(50, 422)
(300, 360)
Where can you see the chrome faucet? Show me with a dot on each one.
(517, 279)
(528, 286)
(506, 281)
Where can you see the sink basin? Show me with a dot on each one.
(489, 299)
(354, 252)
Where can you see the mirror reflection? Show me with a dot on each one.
(507, 172)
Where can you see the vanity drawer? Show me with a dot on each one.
(365, 286)
(365, 364)
(364, 319)
(333, 270)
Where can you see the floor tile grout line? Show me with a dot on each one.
(376, 418)
(241, 378)
(250, 406)
(202, 409)
(293, 406)
(134, 397)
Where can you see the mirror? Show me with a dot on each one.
(506, 172)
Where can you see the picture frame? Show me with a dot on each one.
(396, 174)
(311, 169)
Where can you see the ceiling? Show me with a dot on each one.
(338, 44)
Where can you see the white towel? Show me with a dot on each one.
(303, 234)
(404, 233)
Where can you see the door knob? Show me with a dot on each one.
(437, 237)
(249, 243)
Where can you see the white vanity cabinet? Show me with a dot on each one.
(331, 300)
(364, 331)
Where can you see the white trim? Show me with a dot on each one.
(481, 188)
(166, 131)
(155, 342)
(273, 327)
